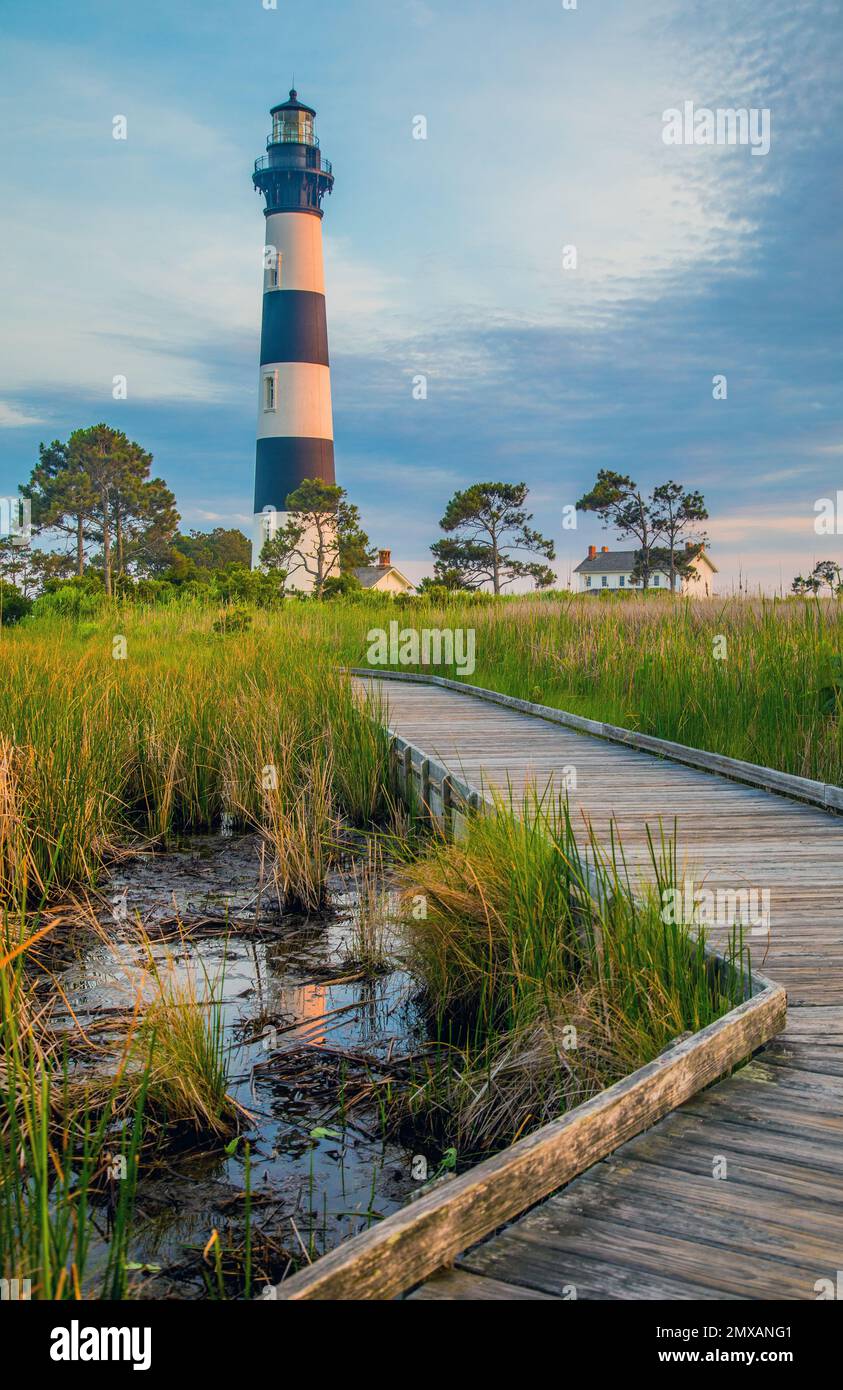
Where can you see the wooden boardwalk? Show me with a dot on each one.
(652, 1221)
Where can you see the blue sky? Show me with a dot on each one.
(443, 256)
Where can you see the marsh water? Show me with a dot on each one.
(307, 1031)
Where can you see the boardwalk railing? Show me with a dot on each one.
(404, 1249)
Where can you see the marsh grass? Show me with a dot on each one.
(177, 1053)
(80, 1111)
(300, 828)
(372, 937)
(64, 1169)
(98, 755)
(548, 972)
(96, 752)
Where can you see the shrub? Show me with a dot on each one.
(234, 619)
(342, 586)
(13, 604)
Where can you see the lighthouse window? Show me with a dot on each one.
(273, 272)
(269, 391)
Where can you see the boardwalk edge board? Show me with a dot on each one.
(829, 797)
(432, 1231)
(412, 1243)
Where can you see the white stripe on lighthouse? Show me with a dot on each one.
(302, 401)
(297, 239)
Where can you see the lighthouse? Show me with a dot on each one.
(295, 434)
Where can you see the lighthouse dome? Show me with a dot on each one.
(293, 104)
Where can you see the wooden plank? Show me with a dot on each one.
(546, 1257)
(739, 1136)
(458, 1283)
(678, 1199)
(770, 1173)
(413, 1242)
(735, 1229)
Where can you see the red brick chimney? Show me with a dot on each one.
(384, 559)
(605, 549)
(592, 551)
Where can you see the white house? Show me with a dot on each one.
(383, 576)
(612, 569)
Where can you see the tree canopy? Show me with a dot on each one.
(486, 527)
(96, 488)
(658, 524)
(825, 572)
(213, 550)
(322, 538)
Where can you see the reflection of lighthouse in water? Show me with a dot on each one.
(295, 435)
(305, 1003)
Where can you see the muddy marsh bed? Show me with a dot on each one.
(292, 1152)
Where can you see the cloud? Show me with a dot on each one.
(758, 524)
(13, 417)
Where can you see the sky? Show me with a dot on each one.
(445, 256)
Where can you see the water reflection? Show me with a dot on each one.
(307, 1036)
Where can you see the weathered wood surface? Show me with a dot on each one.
(804, 788)
(653, 1221)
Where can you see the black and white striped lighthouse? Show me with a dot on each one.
(295, 428)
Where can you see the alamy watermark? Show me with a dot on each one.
(691, 906)
(16, 520)
(15, 1290)
(829, 515)
(727, 125)
(79, 1342)
(428, 646)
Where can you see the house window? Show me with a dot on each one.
(588, 581)
(605, 581)
(269, 391)
(656, 581)
(622, 581)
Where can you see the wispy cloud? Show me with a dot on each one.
(13, 417)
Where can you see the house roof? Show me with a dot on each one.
(370, 574)
(623, 562)
(608, 562)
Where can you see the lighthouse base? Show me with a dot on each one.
(305, 563)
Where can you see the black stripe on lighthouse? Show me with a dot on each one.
(295, 327)
(284, 461)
